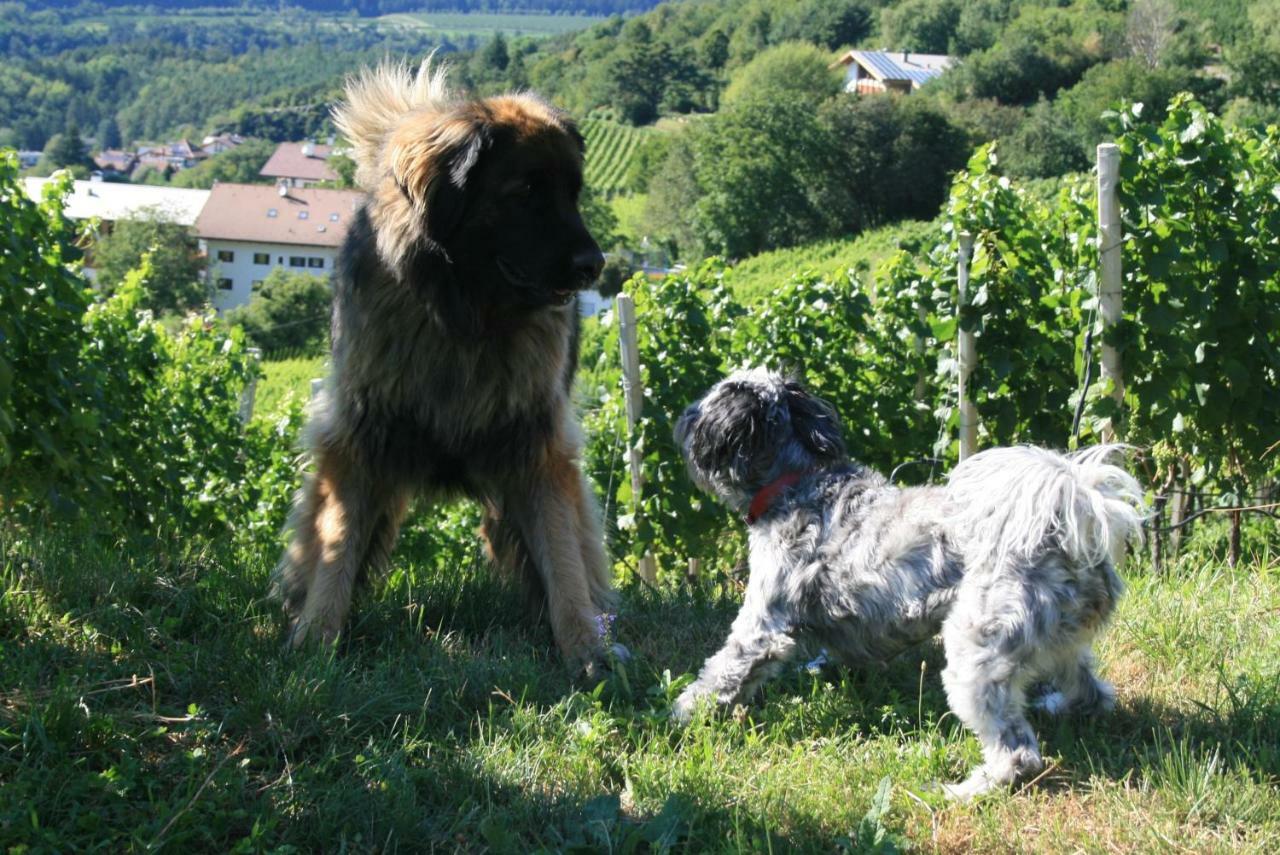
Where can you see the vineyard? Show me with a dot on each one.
(609, 148)
(147, 705)
(1200, 337)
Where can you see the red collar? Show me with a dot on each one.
(764, 498)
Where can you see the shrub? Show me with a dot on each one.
(289, 311)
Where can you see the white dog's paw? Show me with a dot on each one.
(1053, 703)
(685, 705)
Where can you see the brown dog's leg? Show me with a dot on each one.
(595, 560)
(343, 524)
(509, 553)
(549, 515)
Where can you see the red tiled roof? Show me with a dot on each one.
(306, 216)
(288, 161)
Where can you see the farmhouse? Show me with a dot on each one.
(247, 230)
(875, 71)
(299, 164)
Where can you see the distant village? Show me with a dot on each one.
(289, 220)
(244, 231)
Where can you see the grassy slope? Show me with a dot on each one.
(146, 701)
(286, 378)
(759, 275)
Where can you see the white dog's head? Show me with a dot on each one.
(752, 428)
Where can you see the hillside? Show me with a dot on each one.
(371, 8)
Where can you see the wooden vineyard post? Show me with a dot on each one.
(250, 391)
(1110, 303)
(967, 353)
(633, 397)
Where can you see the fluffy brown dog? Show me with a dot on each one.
(455, 329)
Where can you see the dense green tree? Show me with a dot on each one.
(897, 156)
(1255, 59)
(926, 26)
(829, 24)
(1042, 51)
(239, 165)
(646, 160)
(1044, 145)
(1114, 85)
(66, 150)
(109, 133)
(760, 179)
(789, 72)
(175, 285)
(287, 311)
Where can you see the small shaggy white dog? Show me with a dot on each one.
(1013, 560)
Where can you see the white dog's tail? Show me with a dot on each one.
(1013, 503)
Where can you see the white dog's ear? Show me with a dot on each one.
(815, 422)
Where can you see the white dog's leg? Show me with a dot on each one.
(985, 680)
(757, 648)
(1077, 688)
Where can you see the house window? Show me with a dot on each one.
(257, 284)
(224, 284)
(315, 262)
(272, 212)
(261, 258)
(302, 215)
(226, 255)
(297, 261)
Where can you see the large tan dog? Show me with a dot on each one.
(455, 326)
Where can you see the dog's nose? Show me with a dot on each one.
(587, 265)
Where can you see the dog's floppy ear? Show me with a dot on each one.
(815, 422)
(432, 165)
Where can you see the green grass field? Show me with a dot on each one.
(484, 24)
(759, 275)
(146, 704)
(286, 379)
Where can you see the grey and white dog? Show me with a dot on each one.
(1012, 560)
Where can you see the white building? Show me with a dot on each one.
(247, 230)
(109, 202)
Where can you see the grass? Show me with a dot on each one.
(286, 379)
(146, 704)
(459, 24)
(759, 275)
(629, 210)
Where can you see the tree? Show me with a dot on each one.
(926, 26)
(897, 156)
(288, 311)
(66, 151)
(175, 285)
(828, 23)
(755, 176)
(789, 72)
(1255, 59)
(238, 165)
(108, 133)
(495, 55)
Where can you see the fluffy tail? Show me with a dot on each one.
(377, 99)
(1011, 504)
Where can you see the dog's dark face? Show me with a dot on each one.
(497, 185)
(753, 427)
